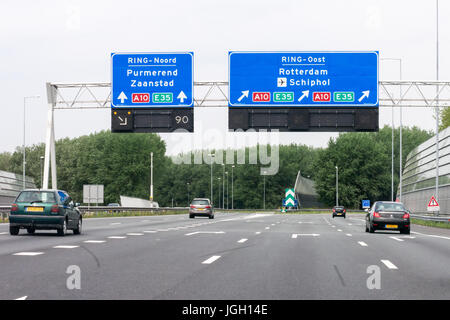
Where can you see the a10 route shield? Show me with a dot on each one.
(303, 79)
(143, 80)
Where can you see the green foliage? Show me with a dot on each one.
(444, 118)
(364, 162)
(121, 162)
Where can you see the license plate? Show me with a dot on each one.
(35, 209)
(391, 226)
(200, 209)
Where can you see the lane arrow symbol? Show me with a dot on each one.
(122, 123)
(122, 97)
(304, 95)
(181, 96)
(365, 95)
(244, 95)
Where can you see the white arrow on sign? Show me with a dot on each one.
(289, 201)
(244, 95)
(122, 123)
(122, 97)
(365, 95)
(181, 96)
(290, 192)
(304, 95)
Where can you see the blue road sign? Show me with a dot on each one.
(365, 204)
(152, 80)
(303, 79)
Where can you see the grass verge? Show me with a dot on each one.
(427, 223)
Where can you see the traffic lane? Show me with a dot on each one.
(136, 267)
(276, 266)
(421, 258)
(47, 238)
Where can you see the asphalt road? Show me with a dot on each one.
(234, 256)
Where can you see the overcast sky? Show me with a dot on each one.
(71, 41)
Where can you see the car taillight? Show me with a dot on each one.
(334, 210)
(14, 207)
(208, 207)
(192, 207)
(344, 210)
(376, 215)
(406, 215)
(54, 209)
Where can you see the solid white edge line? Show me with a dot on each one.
(211, 260)
(389, 264)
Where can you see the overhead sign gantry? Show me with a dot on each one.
(152, 92)
(303, 91)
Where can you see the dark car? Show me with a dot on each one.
(201, 207)
(113, 205)
(387, 215)
(44, 210)
(339, 211)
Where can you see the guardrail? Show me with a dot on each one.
(442, 218)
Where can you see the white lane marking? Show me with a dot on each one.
(162, 230)
(389, 264)
(431, 235)
(258, 232)
(22, 298)
(333, 226)
(362, 243)
(94, 241)
(211, 260)
(3, 232)
(349, 224)
(117, 237)
(205, 232)
(114, 223)
(272, 224)
(348, 234)
(358, 219)
(395, 238)
(339, 230)
(294, 235)
(134, 234)
(242, 240)
(65, 247)
(267, 228)
(27, 253)
(150, 231)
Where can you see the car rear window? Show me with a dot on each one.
(390, 207)
(200, 202)
(36, 196)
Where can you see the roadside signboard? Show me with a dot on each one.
(365, 204)
(303, 79)
(93, 193)
(143, 80)
(289, 199)
(433, 205)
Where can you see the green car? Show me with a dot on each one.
(44, 210)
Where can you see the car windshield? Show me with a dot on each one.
(36, 196)
(390, 207)
(200, 202)
(339, 208)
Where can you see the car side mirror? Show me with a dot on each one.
(77, 204)
(366, 210)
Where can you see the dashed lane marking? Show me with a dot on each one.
(242, 240)
(397, 239)
(94, 241)
(134, 234)
(65, 247)
(211, 260)
(28, 253)
(117, 237)
(362, 243)
(22, 298)
(389, 264)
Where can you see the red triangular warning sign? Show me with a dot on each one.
(433, 202)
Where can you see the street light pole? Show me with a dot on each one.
(212, 157)
(264, 197)
(42, 159)
(23, 147)
(226, 172)
(232, 188)
(151, 178)
(437, 103)
(223, 187)
(219, 191)
(337, 185)
(188, 193)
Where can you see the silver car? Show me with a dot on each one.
(201, 207)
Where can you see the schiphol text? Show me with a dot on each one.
(309, 82)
